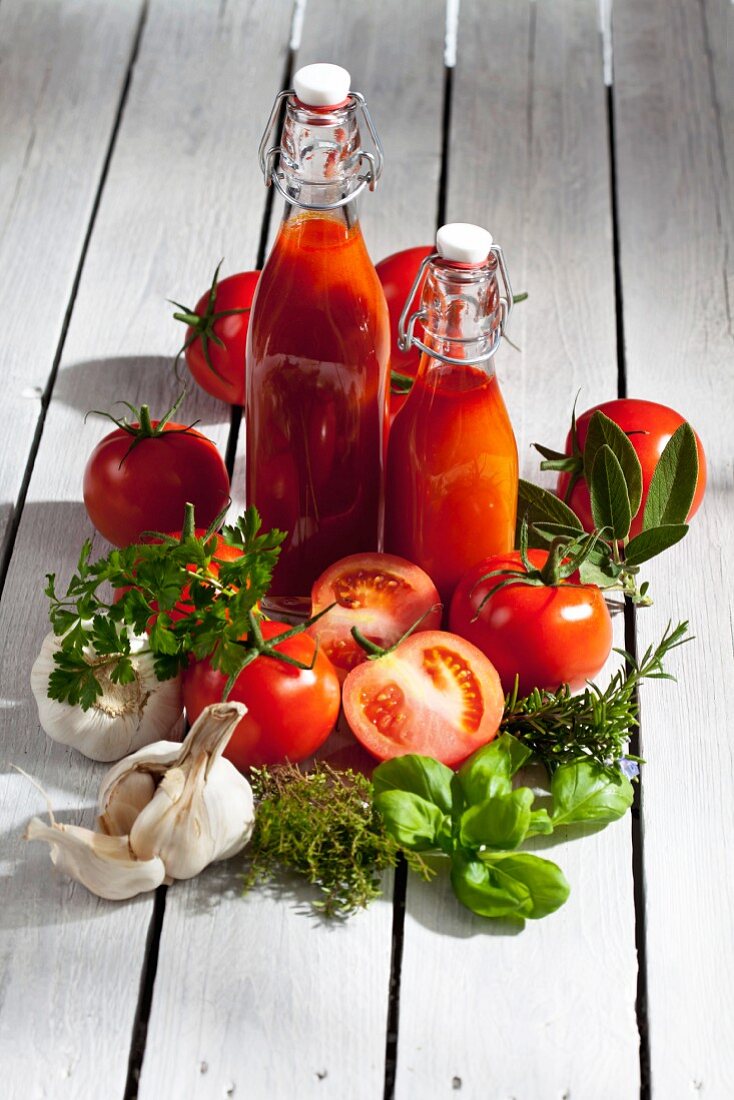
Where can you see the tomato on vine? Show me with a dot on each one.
(530, 614)
(648, 425)
(292, 698)
(140, 476)
(216, 336)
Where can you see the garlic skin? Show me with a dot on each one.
(124, 718)
(104, 864)
(201, 809)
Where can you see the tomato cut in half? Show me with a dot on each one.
(381, 594)
(436, 694)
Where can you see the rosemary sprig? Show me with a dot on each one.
(560, 727)
(321, 824)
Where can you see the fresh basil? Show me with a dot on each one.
(500, 822)
(421, 775)
(412, 821)
(673, 483)
(489, 771)
(518, 885)
(585, 792)
(479, 819)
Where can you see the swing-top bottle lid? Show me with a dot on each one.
(463, 243)
(322, 85)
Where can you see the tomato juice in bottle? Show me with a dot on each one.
(452, 468)
(318, 345)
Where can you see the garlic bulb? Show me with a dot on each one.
(166, 812)
(104, 864)
(123, 718)
(184, 803)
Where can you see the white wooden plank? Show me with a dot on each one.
(63, 69)
(672, 101)
(549, 1012)
(177, 198)
(268, 1002)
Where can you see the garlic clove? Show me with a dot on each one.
(121, 720)
(202, 809)
(130, 785)
(105, 865)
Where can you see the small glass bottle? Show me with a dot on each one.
(452, 469)
(318, 341)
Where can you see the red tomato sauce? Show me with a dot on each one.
(451, 487)
(317, 397)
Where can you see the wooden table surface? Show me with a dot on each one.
(128, 138)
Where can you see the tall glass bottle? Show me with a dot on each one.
(452, 470)
(318, 342)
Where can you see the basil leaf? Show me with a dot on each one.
(411, 821)
(674, 480)
(653, 541)
(501, 822)
(489, 771)
(421, 775)
(478, 889)
(610, 502)
(517, 885)
(603, 431)
(544, 881)
(538, 505)
(583, 791)
(540, 824)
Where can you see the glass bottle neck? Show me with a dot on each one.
(320, 156)
(462, 311)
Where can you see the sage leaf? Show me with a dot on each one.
(610, 502)
(603, 431)
(501, 822)
(538, 505)
(653, 541)
(421, 775)
(489, 771)
(673, 483)
(413, 822)
(583, 791)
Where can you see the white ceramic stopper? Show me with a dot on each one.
(463, 243)
(321, 85)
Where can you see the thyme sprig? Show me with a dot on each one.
(322, 825)
(596, 724)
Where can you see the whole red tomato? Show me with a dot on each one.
(396, 273)
(217, 335)
(649, 427)
(546, 635)
(140, 477)
(290, 711)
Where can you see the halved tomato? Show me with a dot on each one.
(436, 694)
(381, 594)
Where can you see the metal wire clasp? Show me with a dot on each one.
(268, 154)
(406, 324)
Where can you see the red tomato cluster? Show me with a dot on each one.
(376, 648)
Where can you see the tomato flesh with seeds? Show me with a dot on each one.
(436, 694)
(381, 594)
